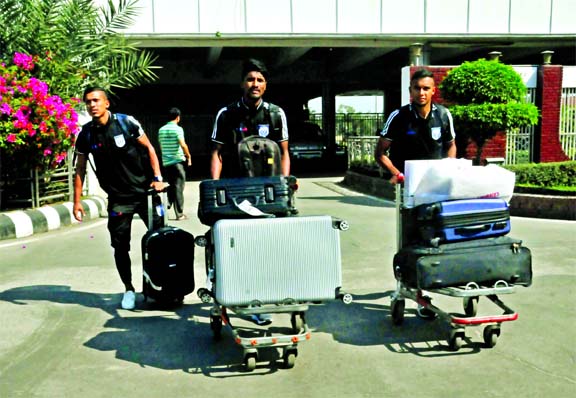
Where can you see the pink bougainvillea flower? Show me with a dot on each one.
(24, 61)
(33, 123)
(5, 108)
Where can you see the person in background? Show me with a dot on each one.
(126, 166)
(419, 130)
(175, 154)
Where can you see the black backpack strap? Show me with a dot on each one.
(273, 115)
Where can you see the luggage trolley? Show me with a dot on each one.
(470, 294)
(219, 313)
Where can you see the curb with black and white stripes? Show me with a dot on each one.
(23, 223)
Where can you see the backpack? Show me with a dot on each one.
(259, 157)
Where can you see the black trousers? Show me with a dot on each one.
(176, 176)
(120, 218)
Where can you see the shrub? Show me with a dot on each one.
(545, 177)
(486, 97)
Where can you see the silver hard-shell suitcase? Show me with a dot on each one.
(277, 260)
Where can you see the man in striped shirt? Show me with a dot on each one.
(174, 153)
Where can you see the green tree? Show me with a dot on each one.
(486, 97)
(77, 43)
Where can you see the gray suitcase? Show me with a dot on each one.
(276, 260)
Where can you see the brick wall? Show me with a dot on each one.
(547, 146)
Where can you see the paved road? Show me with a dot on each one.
(63, 334)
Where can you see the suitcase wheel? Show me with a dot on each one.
(347, 298)
(342, 225)
(204, 295)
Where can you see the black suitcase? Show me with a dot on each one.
(168, 262)
(222, 199)
(459, 220)
(483, 261)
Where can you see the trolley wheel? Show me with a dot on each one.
(204, 295)
(297, 321)
(471, 305)
(456, 340)
(290, 358)
(398, 306)
(250, 362)
(491, 333)
(216, 326)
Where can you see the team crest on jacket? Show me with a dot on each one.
(263, 130)
(436, 133)
(119, 140)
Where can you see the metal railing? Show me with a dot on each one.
(34, 189)
(353, 124)
(568, 122)
(520, 142)
(361, 149)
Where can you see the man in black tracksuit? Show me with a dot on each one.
(250, 116)
(126, 166)
(419, 130)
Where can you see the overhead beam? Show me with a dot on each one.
(355, 57)
(288, 55)
(213, 56)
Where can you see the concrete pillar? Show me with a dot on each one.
(416, 54)
(547, 57)
(494, 55)
(329, 113)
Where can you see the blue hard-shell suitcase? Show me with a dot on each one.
(460, 220)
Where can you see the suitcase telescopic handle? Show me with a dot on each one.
(150, 193)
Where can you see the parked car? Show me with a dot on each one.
(307, 141)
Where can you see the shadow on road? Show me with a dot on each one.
(181, 339)
(367, 322)
(177, 338)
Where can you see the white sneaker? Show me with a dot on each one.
(129, 300)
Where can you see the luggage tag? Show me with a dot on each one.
(249, 209)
